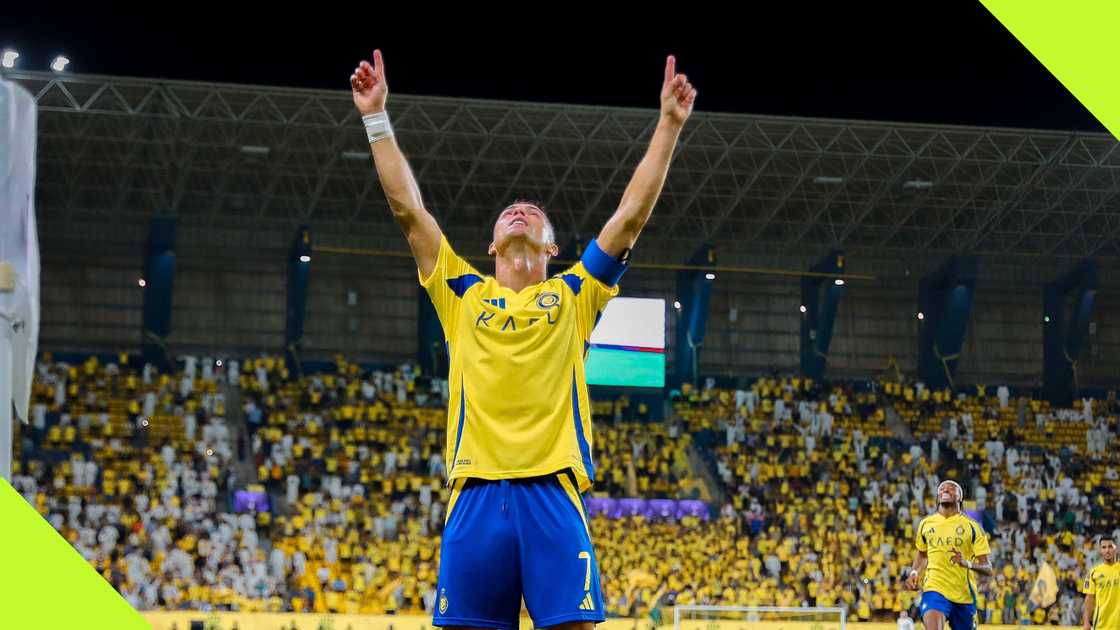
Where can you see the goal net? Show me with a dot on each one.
(758, 618)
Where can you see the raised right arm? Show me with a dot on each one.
(419, 226)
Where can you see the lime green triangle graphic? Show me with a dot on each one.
(45, 583)
(1077, 41)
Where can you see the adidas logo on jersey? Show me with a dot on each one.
(588, 603)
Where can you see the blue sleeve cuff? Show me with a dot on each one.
(601, 266)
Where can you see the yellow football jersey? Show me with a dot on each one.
(939, 537)
(1104, 584)
(518, 399)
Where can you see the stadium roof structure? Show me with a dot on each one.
(116, 150)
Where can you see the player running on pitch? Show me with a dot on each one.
(951, 546)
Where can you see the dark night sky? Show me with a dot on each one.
(956, 65)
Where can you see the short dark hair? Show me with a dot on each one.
(532, 202)
(1107, 536)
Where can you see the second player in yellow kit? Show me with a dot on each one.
(951, 546)
(1102, 590)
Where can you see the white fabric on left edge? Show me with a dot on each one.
(19, 238)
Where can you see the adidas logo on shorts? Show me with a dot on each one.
(588, 603)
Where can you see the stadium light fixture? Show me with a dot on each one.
(803, 309)
(8, 58)
(218, 363)
(355, 155)
(828, 179)
(252, 149)
(142, 282)
(921, 315)
(60, 62)
(710, 276)
(839, 282)
(677, 305)
(305, 258)
(1046, 319)
(918, 183)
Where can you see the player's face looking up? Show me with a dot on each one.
(948, 494)
(1108, 550)
(523, 222)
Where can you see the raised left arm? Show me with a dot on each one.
(622, 229)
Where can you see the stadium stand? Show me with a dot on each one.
(822, 486)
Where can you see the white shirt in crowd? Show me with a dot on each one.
(826, 423)
(262, 377)
(905, 622)
(149, 404)
(190, 426)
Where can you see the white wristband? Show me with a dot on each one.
(377, 126)
(968, 564)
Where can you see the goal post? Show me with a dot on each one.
(759, 618)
